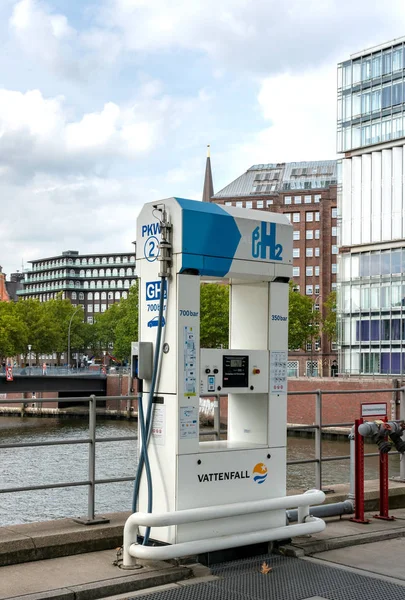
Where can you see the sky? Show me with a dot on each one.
(108, 104)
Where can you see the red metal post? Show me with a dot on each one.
(384, 495)
(359, 475)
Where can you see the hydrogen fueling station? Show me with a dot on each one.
(194, 496)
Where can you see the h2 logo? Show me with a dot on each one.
(263, 239)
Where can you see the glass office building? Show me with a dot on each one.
(371, 205)
(371, 97)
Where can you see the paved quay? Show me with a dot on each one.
(347, 560)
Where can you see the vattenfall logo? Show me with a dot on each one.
(263, 237)
(259, 475)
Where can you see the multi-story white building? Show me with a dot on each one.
(93, 280)
(371, 204)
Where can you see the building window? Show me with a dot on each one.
(316, 291)
(112, 284)
(317, 342)
(104, 260)
(309, 234)
(317, 197)
(292, 368)
(334, 249)
(317, 252)
(117, 295)
(334, 231)
(297, 199)
(317, 234)
(103, 308)
(316, 271)
(309, 252)
(296, 235)
(96, 295)
(74, 296)
(334, 268)
(308, 348)
(111, 295)
(309, 290)
(96, 308)
(296, 252)
(287, 199)
(259, 204)
(101, 272)
(115, 272)
(81, 296)
(269, 202)
(249, 204)
(307, 199)
(334, 286)
(296, 271)
(334, 213)
(90, 320)
(296, 217)
(309, 271)
(89, 308)
(110, 260)
(238, 204)
(103, 295)
(309, 217)
(317, 216)
(228, 203)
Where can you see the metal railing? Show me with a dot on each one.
(54, 371)
(92, 440)
(318, 426)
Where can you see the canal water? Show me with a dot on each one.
(63, 463)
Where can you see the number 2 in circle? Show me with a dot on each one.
(151, 248)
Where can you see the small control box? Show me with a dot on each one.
(234, 371)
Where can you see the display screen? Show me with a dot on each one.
(235, 371)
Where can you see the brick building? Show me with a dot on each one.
(306, 193)
(94, 280)
(4, 297)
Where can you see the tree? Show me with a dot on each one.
(329, 323)
(40, 328)
(214, 307)
(303, 320)
(59, 312)
(13, 331)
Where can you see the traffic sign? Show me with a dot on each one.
(9, 374)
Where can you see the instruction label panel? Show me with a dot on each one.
(188, 422)
(278, 372)
(159, 424)
(190, 375)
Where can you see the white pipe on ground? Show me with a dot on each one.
(193, 515)
(136, 551)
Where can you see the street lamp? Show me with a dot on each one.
(70, 325)
(29, 357)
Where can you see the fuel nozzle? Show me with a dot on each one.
(395, 432)
(377, 432)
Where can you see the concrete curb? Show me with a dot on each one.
(315, 546)
(109, 587)
(54, 539)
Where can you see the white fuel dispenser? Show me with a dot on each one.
(179, 244)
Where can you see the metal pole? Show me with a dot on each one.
(402, 418)
(70, 325)
(92, 457)
(384, 492)
(318, 440)
(217, 417)
(351, 495)
(359, 474)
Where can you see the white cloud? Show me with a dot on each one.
(36, 134)
(267, 36)
(45, 36)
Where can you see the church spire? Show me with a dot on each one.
(208, 191)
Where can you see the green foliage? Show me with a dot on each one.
(214, 307)
(118, 326)
(329, 324)
(303, 320)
